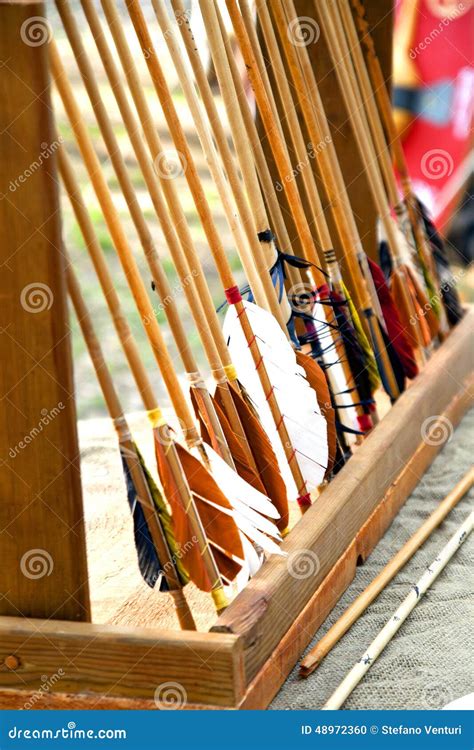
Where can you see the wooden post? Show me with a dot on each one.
(380, 17)
(43, 571)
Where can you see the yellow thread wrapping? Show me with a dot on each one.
(285, 532)
(156, 417)
(219, 598)
(230, 371)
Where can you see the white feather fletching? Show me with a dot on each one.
(267, 544)
(236, 488)
(296, 399)
(252, 558)
(245, 526)
(250, 508)
(250, 565)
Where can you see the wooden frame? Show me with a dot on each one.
(46, 662)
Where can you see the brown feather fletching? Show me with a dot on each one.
(264, 457)
(220, 528)
(242, 466)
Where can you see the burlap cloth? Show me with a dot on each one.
(430, 660)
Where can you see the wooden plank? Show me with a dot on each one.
(23, 699)
(143, 663)
(269, 679)
(43, 571)
(271, 602)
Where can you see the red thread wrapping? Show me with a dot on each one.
(233, 295)
(304, 501)
(396, 333)
(365, 422)
(324, 291)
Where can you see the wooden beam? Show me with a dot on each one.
(126, 662)
(43, 571)
(273, 599)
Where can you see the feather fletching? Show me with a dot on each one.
(297, 401)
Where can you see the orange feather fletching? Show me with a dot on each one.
(242, 466)
(214, 511)
(264, 457)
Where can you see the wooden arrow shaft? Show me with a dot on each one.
(114, 406)
(314, 658)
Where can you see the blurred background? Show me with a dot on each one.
(433, 94)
